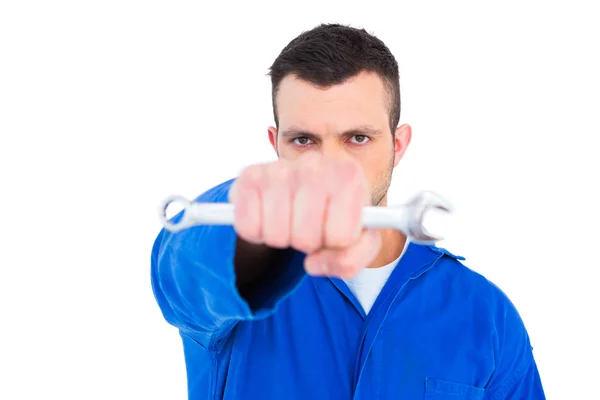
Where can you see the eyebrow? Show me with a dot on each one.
(358, 130)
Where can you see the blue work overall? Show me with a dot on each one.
(438, 330)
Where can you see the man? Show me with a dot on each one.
(296, 300)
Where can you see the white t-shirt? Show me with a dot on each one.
(367, 285)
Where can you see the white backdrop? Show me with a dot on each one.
(107, 107)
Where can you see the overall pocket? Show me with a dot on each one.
(437, 389)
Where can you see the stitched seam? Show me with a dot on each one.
(215, 375)
(395, 294)
(501, 393)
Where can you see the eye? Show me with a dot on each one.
(301, 141)
(360, 139)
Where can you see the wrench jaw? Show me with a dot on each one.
(419, 235)
(416, 208)
(427, 199)
(186, 219)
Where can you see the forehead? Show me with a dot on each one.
(361, 99)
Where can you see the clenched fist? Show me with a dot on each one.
(313, 205)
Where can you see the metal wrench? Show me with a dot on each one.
(407, 218)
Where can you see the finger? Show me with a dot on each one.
(308, 208)
(277, 206)
(345, 263)
(343, 225)
(245, 196)
(232, 195)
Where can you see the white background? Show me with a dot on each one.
(107, 107)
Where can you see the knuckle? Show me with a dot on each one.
(309, 169)
(309, 176)
(252, 176)
(310, 157)
(279, 173)
(350, 171)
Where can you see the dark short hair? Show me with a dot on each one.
(329, 54)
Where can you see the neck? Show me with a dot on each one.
(392, 244)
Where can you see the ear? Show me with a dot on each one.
(273, 138)
(401, 142)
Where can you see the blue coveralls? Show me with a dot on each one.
(438, 330)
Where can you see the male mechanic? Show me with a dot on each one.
(296, 300)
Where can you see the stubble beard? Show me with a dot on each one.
(379, 192)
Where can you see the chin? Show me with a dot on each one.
(378, 199)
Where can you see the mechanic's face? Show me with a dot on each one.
(347, 120)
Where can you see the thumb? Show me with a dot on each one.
(347, 262)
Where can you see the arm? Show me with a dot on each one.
(516, 376)
(205, 279)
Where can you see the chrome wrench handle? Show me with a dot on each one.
(407, 218)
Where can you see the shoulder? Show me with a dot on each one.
(489, 304)
(216, 194)
(474, 286)
(498, 325)
(491, 320)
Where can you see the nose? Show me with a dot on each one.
(334, 150)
